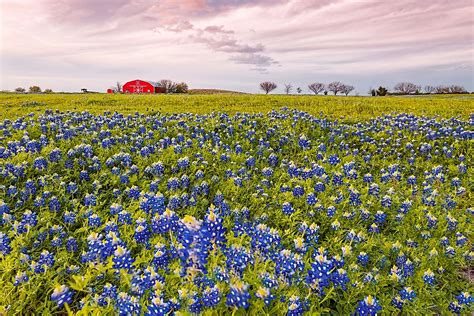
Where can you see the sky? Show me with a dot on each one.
(66, 45)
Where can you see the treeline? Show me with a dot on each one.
(33, 89)
(174, 87)
(334, 87)
(409, 88)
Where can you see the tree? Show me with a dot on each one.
(118, 87)
(457, 89)
(170, 86)
(335, 87)
(34, 89)
(48, 91)
(288, 88)
(20, 90)
(268, 86)
(406, 88)
(346, 89)
(430, 89)
(299, 90)
(381, 91)
(442, 89)
(181, 88)
(317, 87)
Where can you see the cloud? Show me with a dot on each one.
(180, 27)
(254, 59)
(217, 29)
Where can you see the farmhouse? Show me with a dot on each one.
(142, 86)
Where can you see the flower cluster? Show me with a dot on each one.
(277, 213)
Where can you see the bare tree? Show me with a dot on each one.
(346, 89)
(442, 89)
(268, 86)
(317, 87)
(170, 86)
(429, 89)
(20, 90)
(288, 88)
(335, 87)
(457, 89)
(118, 87)
(406, 88)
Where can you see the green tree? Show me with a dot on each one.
(381, 91)
(181, 87)
(34, 89)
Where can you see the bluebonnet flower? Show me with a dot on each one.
(319, 187)
(464, 298)
(124, 217)
(55, 155)
(287, 208)
(54, 204)
(398, 302)
(238, 258)
(363, 258)
(122, 258)
(407, 293)
(368, 178)
(455, 307)
(450, 252)
(295, 306)
(21, 277)
(334, 160)
(46, 258)
(238, 295)
(298, 191)
(127, 305)
(211, 296)
(142, 233)
(368, 306)
(90, 200)
(374, 189)
(158, 307)
(62, 295)
(319, 275)
(303, 142)
(331, 211)
(340, 278)
(40, 163)
(288, 264)
(94, 220)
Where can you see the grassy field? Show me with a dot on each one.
(350, 109)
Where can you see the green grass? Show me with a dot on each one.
(350, 109)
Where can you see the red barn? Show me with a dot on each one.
(142, 86)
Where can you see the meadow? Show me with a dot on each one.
(349, 109)
(235, 204)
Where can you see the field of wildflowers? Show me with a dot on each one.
(281, 212)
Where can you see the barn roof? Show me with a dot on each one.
(153, 83)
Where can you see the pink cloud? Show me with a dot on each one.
(217, 29)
